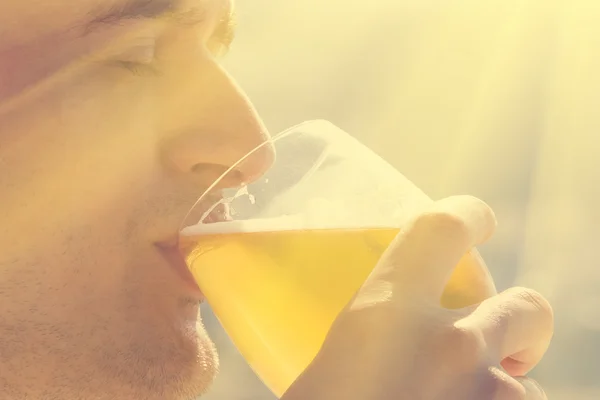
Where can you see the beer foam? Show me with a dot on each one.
(285, 223)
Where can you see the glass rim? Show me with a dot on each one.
(271, 140)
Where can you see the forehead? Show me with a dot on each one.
(25, 20)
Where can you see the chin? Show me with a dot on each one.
(174, 356)
(188, 370)
(206, 363)
(177, 363)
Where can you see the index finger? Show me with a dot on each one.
(423, 256)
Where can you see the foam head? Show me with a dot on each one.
(285, 223)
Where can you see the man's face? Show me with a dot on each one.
(114, 116)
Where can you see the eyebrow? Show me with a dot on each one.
(128, 10)
(160, 10)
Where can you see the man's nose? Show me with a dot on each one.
(211, 126)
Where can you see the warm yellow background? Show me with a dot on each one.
(497, 98)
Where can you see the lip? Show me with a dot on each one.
(171, 252)
(173, 256)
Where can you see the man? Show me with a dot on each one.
(114, 116)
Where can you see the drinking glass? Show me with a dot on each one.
(279, 258)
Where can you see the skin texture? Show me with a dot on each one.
(108, 135)
(97, 163)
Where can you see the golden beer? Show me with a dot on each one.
(277, 293)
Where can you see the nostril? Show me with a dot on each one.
(209, 173)
(203, 168)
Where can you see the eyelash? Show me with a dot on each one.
(138, 69)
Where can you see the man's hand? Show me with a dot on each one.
(394, 340)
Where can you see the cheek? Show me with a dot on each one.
(80, 153)
(114, 147)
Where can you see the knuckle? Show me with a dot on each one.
(536, 300)
(483, 207)
(441, 223)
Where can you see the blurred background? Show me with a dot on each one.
(499, 99)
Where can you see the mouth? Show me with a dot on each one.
(175, 259)
(174, 255)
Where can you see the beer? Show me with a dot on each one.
(277, 292)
